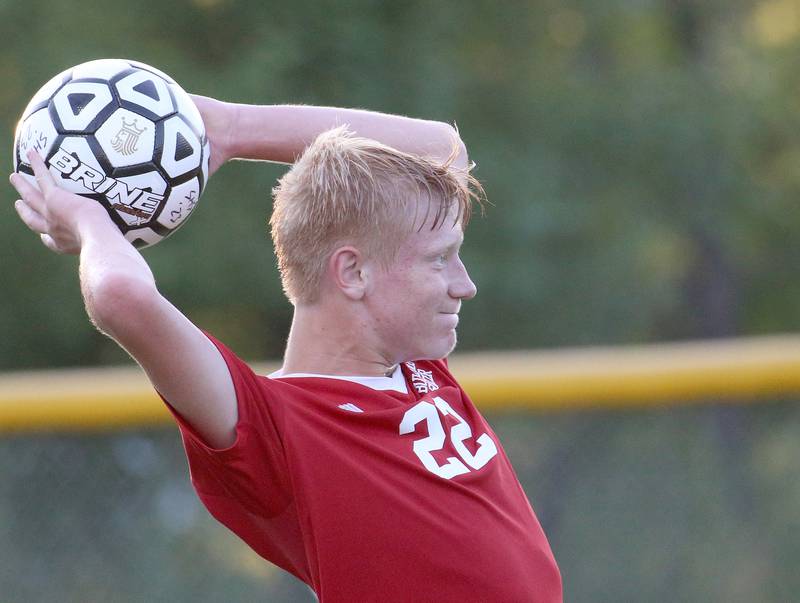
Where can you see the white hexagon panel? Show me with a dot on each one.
(100, 69)
(78, 103)
(140, 199)
(75, 167)
(181, 150)
(148, 91)
(127, 138)
(38, 133)
(180, 203)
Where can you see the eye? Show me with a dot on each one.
(442, 258)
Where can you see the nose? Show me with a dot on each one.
(461, 286)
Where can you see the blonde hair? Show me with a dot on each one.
(350, 190)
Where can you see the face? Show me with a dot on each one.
(414, 303)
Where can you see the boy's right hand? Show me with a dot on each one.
(58, 216)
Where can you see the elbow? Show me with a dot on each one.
(119, 303)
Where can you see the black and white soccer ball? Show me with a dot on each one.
(124, 134)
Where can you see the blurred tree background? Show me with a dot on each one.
(639, 156)
(638, 153)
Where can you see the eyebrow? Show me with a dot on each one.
(455, 244)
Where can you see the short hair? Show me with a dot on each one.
(346, 189)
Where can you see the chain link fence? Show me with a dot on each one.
(670, 504)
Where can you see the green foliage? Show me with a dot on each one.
(639, 158)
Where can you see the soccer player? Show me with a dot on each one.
(361, 466)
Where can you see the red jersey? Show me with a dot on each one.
(375, 494)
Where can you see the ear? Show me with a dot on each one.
(346, 267)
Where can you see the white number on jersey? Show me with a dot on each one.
(425, 411)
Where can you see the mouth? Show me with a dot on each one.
(453, 316)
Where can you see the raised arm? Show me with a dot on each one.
(280, 133)
(122, 300)
(118, 287)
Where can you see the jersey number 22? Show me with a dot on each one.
(425, 411)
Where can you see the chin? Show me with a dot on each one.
(439, 349)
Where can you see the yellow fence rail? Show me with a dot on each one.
(671, 373)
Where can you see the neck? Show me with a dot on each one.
(321, 341)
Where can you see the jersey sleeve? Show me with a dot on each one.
(252, 471)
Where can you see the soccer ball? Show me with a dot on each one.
(122, 133)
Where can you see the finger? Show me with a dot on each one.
(30, 217)
(43, 176)
(31, 195)
(49, 242)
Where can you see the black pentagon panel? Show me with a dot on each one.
(148, 88)
(79, 101)
(183, 148)
(139, 243)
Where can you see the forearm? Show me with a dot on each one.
(181, 362)
(280, 133)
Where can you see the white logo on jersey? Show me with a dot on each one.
(351, 407)
(421, 380)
